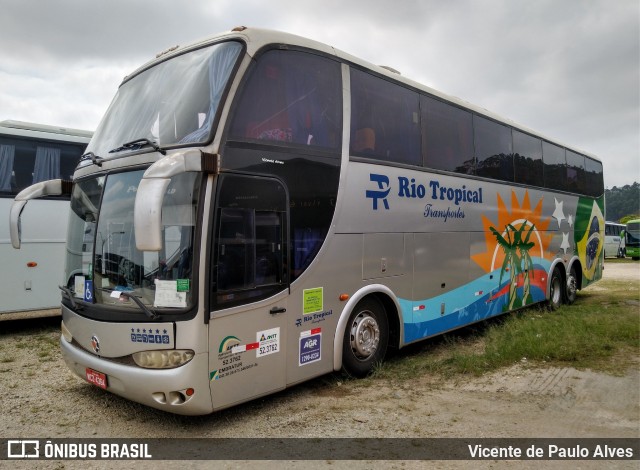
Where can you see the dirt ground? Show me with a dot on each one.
(41, 398)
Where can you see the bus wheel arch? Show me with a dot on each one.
(368, 320)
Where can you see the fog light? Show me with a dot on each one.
(166, 359)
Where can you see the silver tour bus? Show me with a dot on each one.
(259, 209)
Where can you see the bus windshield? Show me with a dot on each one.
(103, 264)
(172, 103)
(633, 234)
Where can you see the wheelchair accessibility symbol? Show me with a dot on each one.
(88, 291)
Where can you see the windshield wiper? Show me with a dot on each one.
(138, 144)
(69, 294)
(96, 160)
(147, 311)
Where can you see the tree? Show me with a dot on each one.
(621, 202)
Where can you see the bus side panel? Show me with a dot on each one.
(482, 248)
(31, 275)
(247, 351)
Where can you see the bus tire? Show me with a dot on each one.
(366, 338)
(571, 287)
(556, 291)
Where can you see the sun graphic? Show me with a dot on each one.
(493, 257)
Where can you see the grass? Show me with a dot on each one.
(600, 331)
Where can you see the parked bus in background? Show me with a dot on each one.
(614, 240)
(30, 153)
(632, 239)
(259, 209)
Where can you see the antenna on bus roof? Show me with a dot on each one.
(173, 48)
(390, 69)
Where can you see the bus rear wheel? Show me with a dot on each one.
(556, 293)
(571, 288)
(365, 338)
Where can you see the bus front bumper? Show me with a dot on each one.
(164, 389)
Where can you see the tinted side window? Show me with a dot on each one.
(26, 161)
(555, 166)
(385, 120)
(291, 98)
(594, 178)
(447, 136)
(527, 159)
(494, 157)
(575, 172)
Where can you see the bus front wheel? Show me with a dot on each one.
(365, 338)
(556, 291)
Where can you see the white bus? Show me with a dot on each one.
(258, 209)
(30, 153)
(614, 240)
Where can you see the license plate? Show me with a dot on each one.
(96, 378)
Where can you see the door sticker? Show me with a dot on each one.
(312, 301)
(268, 342)
(310, 346)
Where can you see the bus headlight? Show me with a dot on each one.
(165, 359)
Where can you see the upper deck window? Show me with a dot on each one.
(593, 177)
(555, 166)
(575, 172)
(385, 120)
(291, 98)
(448, 136)
(527, 159)
(494, 157)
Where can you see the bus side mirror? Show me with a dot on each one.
(35, 191)
(147, 209)
(147, 213)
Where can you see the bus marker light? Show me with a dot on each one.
(344, 297)
(189, 392)
(32, 264)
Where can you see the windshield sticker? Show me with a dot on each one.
(269, 342)
(312, 301)
(310, 346)
(88, 291)
(182, 285)
(79, 286)
(167, 295)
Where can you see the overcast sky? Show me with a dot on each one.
(568, 69)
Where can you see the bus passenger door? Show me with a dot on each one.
(249, 289)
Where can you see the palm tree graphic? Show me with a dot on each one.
(516, 261)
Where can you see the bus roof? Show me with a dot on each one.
(258, 38)
(44, 131)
